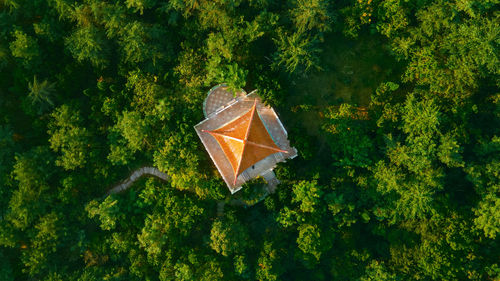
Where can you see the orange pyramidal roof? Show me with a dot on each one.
(245, 141)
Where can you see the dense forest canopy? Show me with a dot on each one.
(394, 107)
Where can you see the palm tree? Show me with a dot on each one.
(298, 53)
(310, 14)
(41, 94)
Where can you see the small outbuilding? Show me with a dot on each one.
(244, 137)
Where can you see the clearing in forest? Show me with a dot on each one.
(352, 69)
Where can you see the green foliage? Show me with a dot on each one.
(4, 56)
(88, 44)
(350, 143)
(6, 148)
(359, 14)
(140, 5)
(5, 268)
(420, 118)
(488, 216)
(146, 92)
(45, 242)
(296, 52)
(393, 106)
(234, 76)
(452, 68)
(134, 129)
(25, 47)
(308, 194)
(311, 14)
(393, 19)
(68, 137)
(309, 240)
(120, 154)
(377, 271)
(269, 262)
(136, 42)
(190, 69)
(485, 177)
(228, 236)
(40, 95)
(241, 267)
(30, 171)
(107, 212)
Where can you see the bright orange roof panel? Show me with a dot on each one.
(233, 149)
(245, 141)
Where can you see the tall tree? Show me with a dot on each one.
(296, 52)
(41, 95)
(69, 137)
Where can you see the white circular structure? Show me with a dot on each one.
(217, 98)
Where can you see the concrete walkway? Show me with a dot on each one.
(270, 177)
(135, 175)
(272, 181)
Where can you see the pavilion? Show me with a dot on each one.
(244, 137)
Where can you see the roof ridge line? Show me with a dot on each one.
(254, 108)
(222, 135)
(266, 146)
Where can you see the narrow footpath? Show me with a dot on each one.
(124, 185)
(128, 182)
